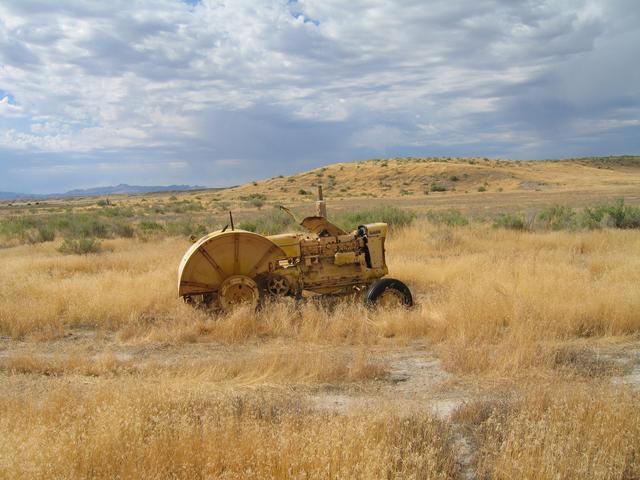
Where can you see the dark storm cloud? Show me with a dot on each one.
(201, 92)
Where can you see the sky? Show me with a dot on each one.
(217, 93)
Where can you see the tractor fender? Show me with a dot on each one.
(222, 254)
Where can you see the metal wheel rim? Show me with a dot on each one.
(278, 286)
(390, 298)
(238, 290)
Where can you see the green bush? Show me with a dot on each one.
(185, 206)
(450, 217)
(149, 226)
(249, 226)
(510, 221)
(82, 225)
(32, 229)
(185, 227)
(81, 246)
(42, 233)
(621, 215)
(254, 196)
(438, 187)
(123, 230)
(18, 226)
(117, 212)
(255, 199)
(271, 223)
(389, 214)
(222, 206)
(616, 215)
(482, 188)
(46, 233)
(592, 217)
(86, 226)
(558, 217)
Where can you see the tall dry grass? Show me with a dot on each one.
(124, 430)
(529, 307)
(291, 366)
(499, 300)
(569, 431)
(43, 292)
(494, 300)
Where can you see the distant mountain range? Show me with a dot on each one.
(110, 190)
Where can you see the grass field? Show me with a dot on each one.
(520, 360)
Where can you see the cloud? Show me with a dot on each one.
(8, 108)
(282, 85)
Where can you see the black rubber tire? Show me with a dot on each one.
(378, 287)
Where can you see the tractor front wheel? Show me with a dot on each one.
(388, 292)
(238, 290)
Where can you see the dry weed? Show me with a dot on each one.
(572, 431)
(488, 297)
(291, 366)
(127, 431)
(104, 365)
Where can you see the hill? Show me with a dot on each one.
(413, 176)
(472, 185)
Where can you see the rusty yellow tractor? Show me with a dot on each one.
(230, 267)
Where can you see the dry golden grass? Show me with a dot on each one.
(96, 382)
(493, 298)
(498, 297)
(411, 178)
(291, 367)
(43, 291)
(123, 430)
(573, 431)
(59, 365)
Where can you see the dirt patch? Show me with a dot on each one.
(632, 367)
(415, 381)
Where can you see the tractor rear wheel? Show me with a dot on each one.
(388, 292)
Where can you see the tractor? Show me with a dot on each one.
(230, 267)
